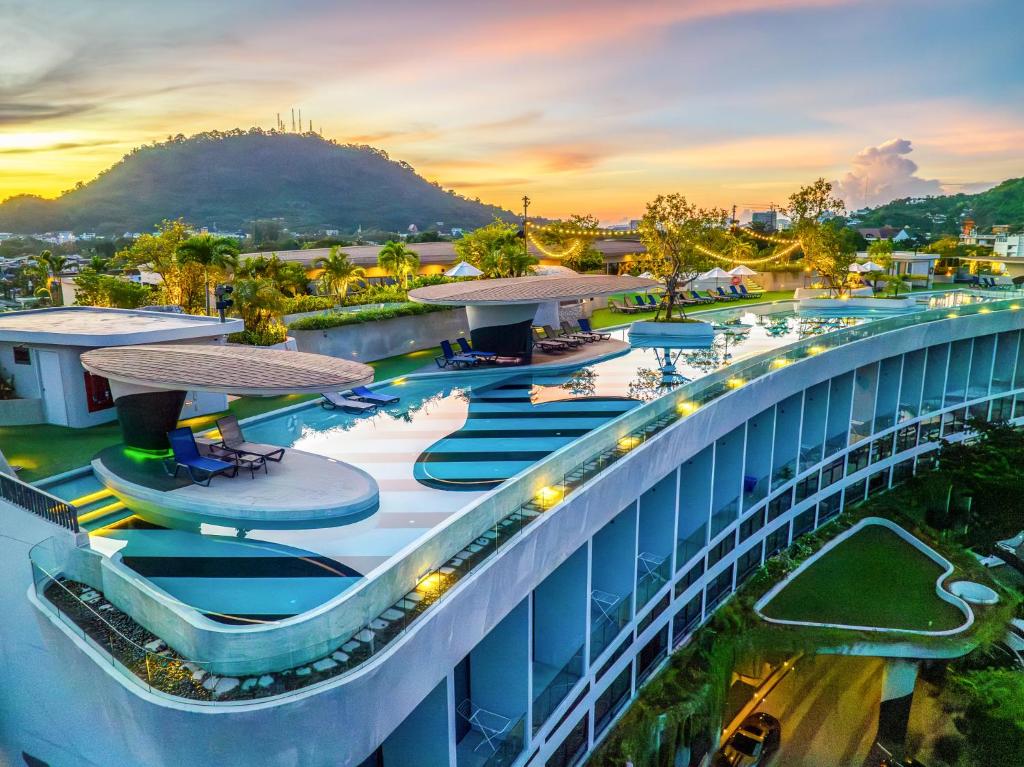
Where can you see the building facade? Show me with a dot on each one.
(531, 656)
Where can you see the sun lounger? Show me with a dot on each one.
(201, 469)
(368, 395)
(233, 439)
(547, 344)
(469, 351)
(652, 301)
(624, 308)
(640, 303)
(723, 295)
(568, 331)
(701, 299)
(751, 293)
(449, 358)
(553, 335)
(585, 327)
(332, 400)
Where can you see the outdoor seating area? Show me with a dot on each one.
(224, 458)
(358, 399)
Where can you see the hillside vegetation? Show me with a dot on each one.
(229, 179)
(1003, 204)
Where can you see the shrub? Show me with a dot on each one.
(297, 304)
(325, 321)
(265, 335)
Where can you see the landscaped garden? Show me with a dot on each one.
(875, 579)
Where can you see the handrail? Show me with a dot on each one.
(511, 513)
(39, 502)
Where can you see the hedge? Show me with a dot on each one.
(325, 321)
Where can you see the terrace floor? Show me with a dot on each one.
(873, 578)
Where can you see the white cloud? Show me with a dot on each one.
(883, 173)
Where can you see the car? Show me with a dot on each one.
(752, 744)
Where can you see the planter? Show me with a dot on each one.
(857, 303)
(690, 331)
(799, 293)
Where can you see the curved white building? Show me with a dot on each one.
(519, 627)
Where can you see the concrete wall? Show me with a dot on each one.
(21, 412)
(368, 341)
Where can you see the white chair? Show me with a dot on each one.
(650, 563)
(490, 725)
(606, 602)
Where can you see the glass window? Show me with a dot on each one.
(751, 524)
(954, 422)
(855, 492)
(837, 429)
(787, 440)
(1018, 407)
(934, 378)
(830, 507)
(651, 654)
(611, 701)
(864, 390)
(903, 471)
(881, 449)
(1002, 409)
(803, 522)
(888, 392)
(1006, 356)
(572, 749)
(956, 375)
(910, 384)
(719, 589)
(691, 577)
(779, 505)
(776, 541)
(833, 472)
(747, 563)
(981, 367)
(720, 549)
(806, 487)
(687, 619)
(858, 459)
(878, 482)
(906, 438)
(22, 356)
(931, 429)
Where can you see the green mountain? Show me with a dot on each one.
(1002, 204)
(231, 178)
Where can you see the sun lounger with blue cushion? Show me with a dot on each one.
(639, 301)
(367, 395)
(469, 351)
(585, 327)
(201, 469)
(651, 301)
(699, 298)
(449, 358)
(751, 293)
(725, 295)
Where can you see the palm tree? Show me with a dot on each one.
(397, 259)
(292, 278)
(338, 273)
(218, 255)
(99, 264)
(258, 302)
(49, 267)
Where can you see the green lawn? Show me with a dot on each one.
(43, 450)
(873, 578)
(603, 318)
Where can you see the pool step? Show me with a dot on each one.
(100, 510)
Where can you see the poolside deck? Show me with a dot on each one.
(302, 490)
(546, 360)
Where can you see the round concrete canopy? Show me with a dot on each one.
(528, 290)
(226, 369)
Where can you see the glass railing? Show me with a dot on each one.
(605, 625)
(690, 546)
(556, 690)
(509, 510)
(510, 748)
(650, 577)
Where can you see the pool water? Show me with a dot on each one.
(450, 438)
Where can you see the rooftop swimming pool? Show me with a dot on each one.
(452, 437)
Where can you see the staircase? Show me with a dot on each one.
(100, 510)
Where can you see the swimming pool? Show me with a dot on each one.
(452, 437)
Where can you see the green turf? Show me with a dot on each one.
(43, 450)
(873, 578)
(603, 318)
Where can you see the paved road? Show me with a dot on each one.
(828, 706)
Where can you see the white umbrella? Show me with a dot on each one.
(716, 274)
(871, 266)
(463, 269)
(646, 276)
(856, 268)
(742, 271)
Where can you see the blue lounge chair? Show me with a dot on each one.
(366, 395)
(699, 298)
(201, 469)
(725, 295)
(639, 301)
(735, 292)
(750, 293)
(449, 358)
(651, 301)
(585, 327)
(469, 351)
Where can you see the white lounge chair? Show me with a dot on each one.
(332, 400)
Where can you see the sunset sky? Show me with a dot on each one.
(585, 105)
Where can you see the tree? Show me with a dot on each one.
(679, 238)
(880, 251)
(397, 259)
(338, 274)
(258, 302)
(98, 264)
(217, 255)
(95, 289)
(496, 249)
(292, 278)
(825, 248)
(583, 256)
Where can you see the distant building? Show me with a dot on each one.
(413, 229)
(769, 219)
(969, 234)
(879, 233)
(331, 232)
(1008, 245)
